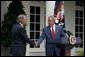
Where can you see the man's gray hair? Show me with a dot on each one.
(20, 16)
(51, 16)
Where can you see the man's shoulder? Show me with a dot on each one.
(45, 28)
(58, 26)
(16, 26)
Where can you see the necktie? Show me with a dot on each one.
(53, 33)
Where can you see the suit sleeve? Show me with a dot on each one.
(24, 37)
(42, 37)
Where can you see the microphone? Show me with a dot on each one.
(68, 32)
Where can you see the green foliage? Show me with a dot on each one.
(15, 8)
(80, 53)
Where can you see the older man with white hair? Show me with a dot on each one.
(19, 37)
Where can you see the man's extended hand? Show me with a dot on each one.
(32, 43)
(36, 44)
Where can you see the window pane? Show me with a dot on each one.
(77, 34)
(81, 3)
(32, 35)
(32, 17)
(37, 10)
(81, 45)
(37, 35)
(76, 21)
(77, 3)
(32, 9)
(81, 21)
(37, 27)
(81, 28)
(76, 14)
(76, 28)
(37, 18)
(81, 35)
(81, 13)
(32, 26)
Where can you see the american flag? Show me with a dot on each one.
(59, 11)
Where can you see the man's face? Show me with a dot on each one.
(24, 20)
(50, 21)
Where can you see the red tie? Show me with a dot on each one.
(53, 33)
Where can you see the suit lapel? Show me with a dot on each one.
(56, 31)
(49, 31)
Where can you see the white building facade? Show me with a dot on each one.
(38, 12)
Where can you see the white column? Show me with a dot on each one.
(49, 9)
(69, 7)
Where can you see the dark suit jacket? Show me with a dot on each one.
(51, 48)
(19, 39)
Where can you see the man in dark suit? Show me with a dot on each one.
(19, 37)
(52, 34)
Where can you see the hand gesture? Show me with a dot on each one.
(36, 44)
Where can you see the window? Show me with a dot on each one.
(79, 3)
(79, 26)
(34, 23)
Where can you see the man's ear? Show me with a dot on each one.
(20, 20)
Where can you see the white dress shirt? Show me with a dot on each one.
(21, 24)
(53, 27)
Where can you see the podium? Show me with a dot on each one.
(65, 43)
